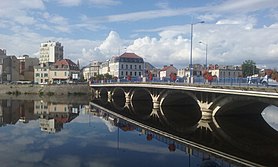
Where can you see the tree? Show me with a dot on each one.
(249, 68)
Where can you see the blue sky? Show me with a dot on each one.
(158, 31)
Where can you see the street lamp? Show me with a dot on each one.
(191, 43)
(206, 65)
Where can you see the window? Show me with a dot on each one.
(122, 66)
(55, 73)
(126, 73)
(65, 73)
(139, 73)
(130, 73)
(135, 73)
(130, 66)
(126, 66)
(37, 74)
(122, 73)
(135, 67)
(45, 75)
(140, 67)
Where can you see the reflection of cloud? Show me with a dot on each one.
(270, 114)
(65, 160)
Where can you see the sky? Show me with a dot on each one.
(157, 30)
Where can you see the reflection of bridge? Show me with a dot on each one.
(210, 101)
(159, 101)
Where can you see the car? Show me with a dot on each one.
(266, 81)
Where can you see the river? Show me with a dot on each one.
(80, 132)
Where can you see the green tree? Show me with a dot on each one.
(249, 68)
(107, 76)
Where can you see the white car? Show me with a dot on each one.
(269, 82)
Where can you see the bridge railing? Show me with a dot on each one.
(197, 81)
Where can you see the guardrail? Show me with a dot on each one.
(245, 82)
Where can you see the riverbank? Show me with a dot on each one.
(45, 90)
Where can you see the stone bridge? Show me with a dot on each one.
(210, 101)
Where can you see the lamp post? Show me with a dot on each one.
(206, 65)
(191, 43)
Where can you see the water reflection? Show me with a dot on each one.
(116, 136)
(270, 114)
(52, 116)
(247, 139)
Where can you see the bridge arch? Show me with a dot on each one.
(180, 110)
(224, 104)
(141, 98)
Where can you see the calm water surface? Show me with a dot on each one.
(52, 133)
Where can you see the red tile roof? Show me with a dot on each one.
(130, 55)
(67, 62)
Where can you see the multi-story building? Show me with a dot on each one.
(50, 51)
(64, 71)
(91, 70)
(124, 66)
(26, 67)
(167, 70)
(130, 64)
(226, 72)
(41, 73)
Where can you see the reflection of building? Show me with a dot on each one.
(12, 111)
(53, 116)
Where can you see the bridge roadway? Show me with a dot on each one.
(210, 100)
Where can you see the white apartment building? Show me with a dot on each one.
(51, 51)
(123, 66)
(92, 70)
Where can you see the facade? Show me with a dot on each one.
(92, 70)
(166, 71)
(226, 72)
(124, 66)
(183, 73)
(26, 67)
(64, 71)
(9, 68)
(130, 65)
(51, 51)
(41, 73)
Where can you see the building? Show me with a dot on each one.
(9, 68)
(226, 72)
(127, 65)
(130, 65)
(50, 51)
(92, 70)
(26, 67)
(41, 73)
(64, 71)
(166, 71)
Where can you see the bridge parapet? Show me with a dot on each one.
(209, 100)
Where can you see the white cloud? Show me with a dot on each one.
(104, 2)
(239, 6)
(69, 2)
